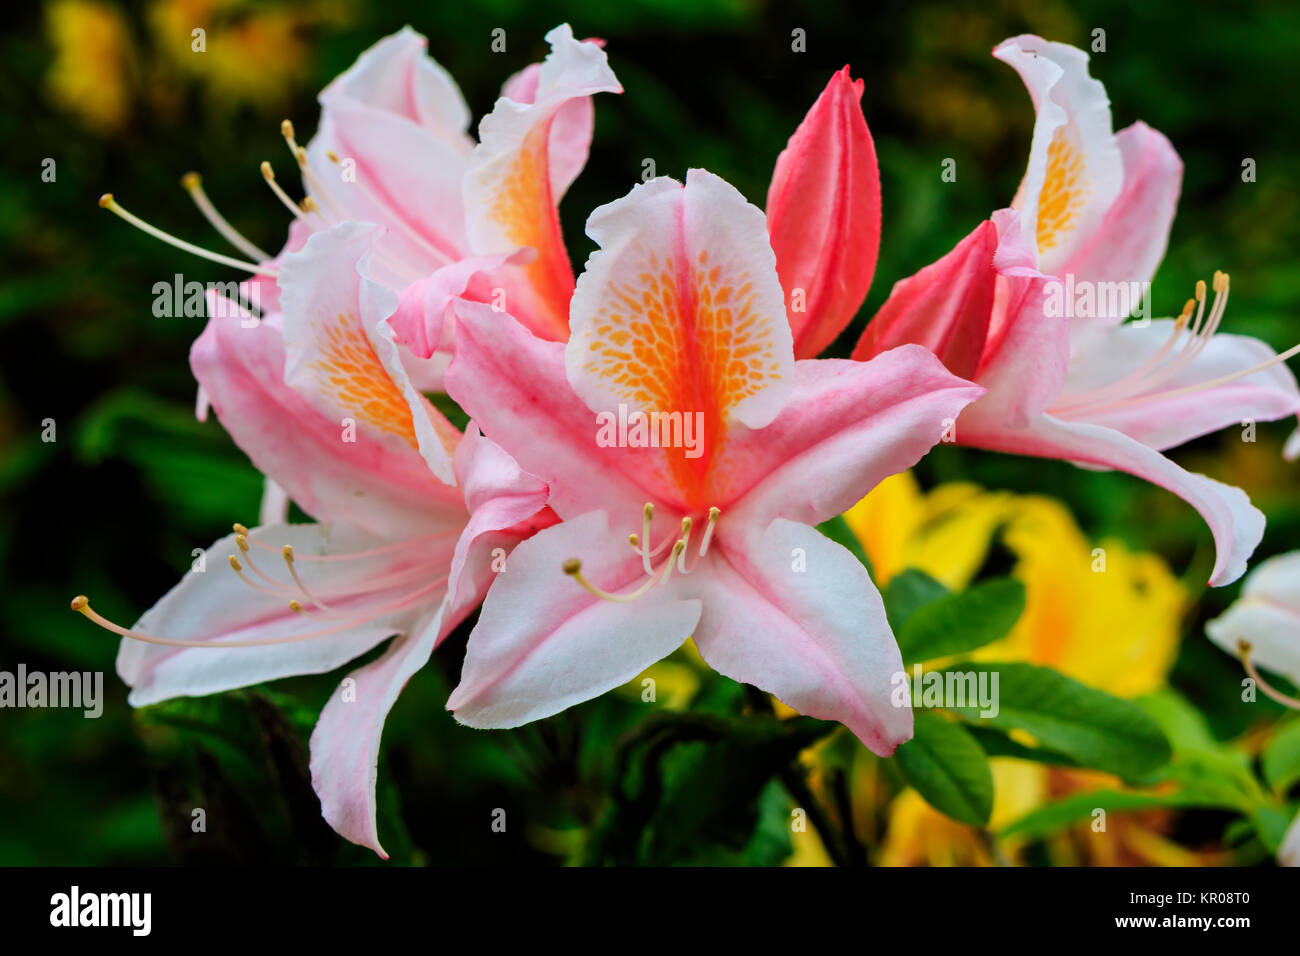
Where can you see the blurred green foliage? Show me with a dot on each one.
(114, 507)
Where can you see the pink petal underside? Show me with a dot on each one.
(794, 613)
(571, 128)
(345, 743)
(945, 307)
(542, 643)
(1236, 524)
(823, 214)
(398, 77)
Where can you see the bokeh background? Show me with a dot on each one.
(111, 92)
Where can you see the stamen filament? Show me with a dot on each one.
(1121, 387)
(293, 572)
(647, 514)
(242, 542)
(714, 514)
(193, 185)
(683, 541)
(1214, 382)
(1243, 647)
(1139, 386)
(269, 175)
(573, 568)
(239, 569)
(81, 604)
(107, 201)
(350, 556)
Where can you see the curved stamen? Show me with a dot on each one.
(1199, 341)
(1214, 382)
(573, 568)
(642, 542)
(351, 555)
(684, 541)
(287, 551)
(1243, 648)
(107, 201)
(242, 542)
(193, 184)
(272, 592)
(1140, 386)
(81, 604)
(714, 514)
(1123, 386)
(647, 514)
(269, 175)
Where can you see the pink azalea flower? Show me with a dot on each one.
(411, 517)
(325, 396)
(823, 219)
(681, 313)
(463, 219)
(392, 148)
(1092, 213)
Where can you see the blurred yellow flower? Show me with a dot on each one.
(1102, 614)
(239, 52)
(93, 58)
(919, 835)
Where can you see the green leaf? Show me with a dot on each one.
(998, 744)
(686, 787)
(961, 622)
(1201, 764)
(1271, 824)
(948, 768)
(1281, 759)
(1053, 817)
(908, 591)
(838, 530)
(1088, 725)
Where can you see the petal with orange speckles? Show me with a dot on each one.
(681, 309)
(681, 313)
(1075, 170)
(515, 179)
(341, 355)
